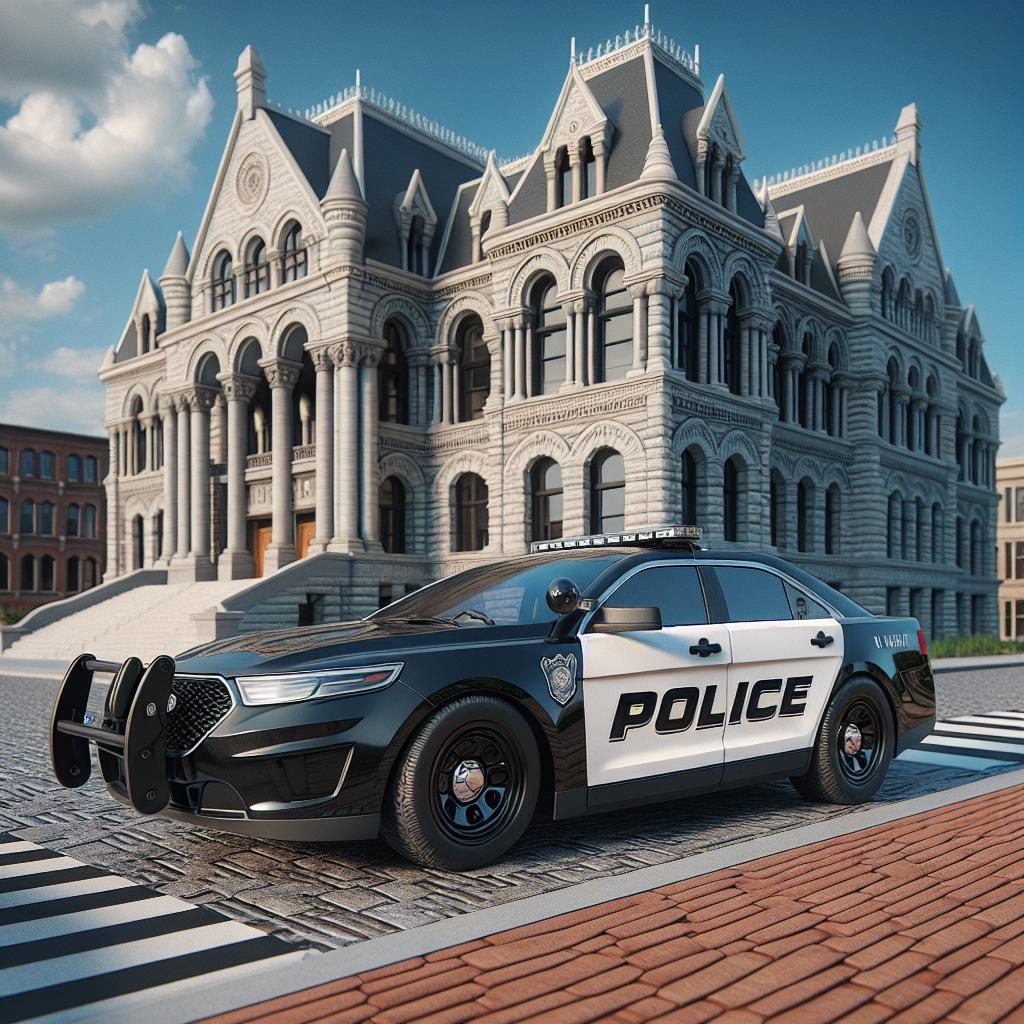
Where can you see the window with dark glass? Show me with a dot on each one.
(777, 508)
(393, 377)
(588, 170)
(74, 469)
(804, 512)
(1018, 619)
(294, 262)
(779, 339)
(257, 269)
(73, 572)
(688, 328)
(546, 488)
(938, 546)
(689, 481)
(5, 516)
(91, 469)
(27, 522)
(674, 589)
(5, 572)
(894, 541)
(470, 513)
(89, 522)
(549, 339)
(475, 370)
(28, 463)
(46, 574)
(615, 323)
(28, 573)
(46, 518)
(73, 520)
(731, 499)
(5, 462)
(415, 258)
(223, 282)
(804, 607)
(833, 507)
(563, 178)
(47, 465)
(804, 411)
(731, 342)
(607, 492)
(753, 595)
(892, 600)
(392, 515)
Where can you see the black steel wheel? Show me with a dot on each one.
(466, 787)
(854, 747)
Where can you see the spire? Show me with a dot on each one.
(177, 262)
(857, 241)
(344, 184)
(908, 132)
(658, 163)
(250, 79)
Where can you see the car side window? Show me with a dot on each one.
(674, 589)
(753, 595)
(804, 607)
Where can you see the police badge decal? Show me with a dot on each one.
(560, 672)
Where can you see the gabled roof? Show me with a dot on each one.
(718, 122)
(576, 90)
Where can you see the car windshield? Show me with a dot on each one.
(511, 593)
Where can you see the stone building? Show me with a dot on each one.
(388, 343)
(1010, 548)
(52, 514)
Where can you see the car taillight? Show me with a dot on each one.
(921, 643)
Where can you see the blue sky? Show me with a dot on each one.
(111, 128)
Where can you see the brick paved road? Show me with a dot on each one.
(330, 895)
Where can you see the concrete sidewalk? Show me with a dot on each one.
(920, 920)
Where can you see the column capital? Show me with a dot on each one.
(280, 373)
(238, 387)
(345, 353)
(198, 396)
(321, 358)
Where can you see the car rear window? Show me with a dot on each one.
(753, 595)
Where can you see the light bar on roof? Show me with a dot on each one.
(631, 538)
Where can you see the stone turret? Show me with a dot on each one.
(250, 78)
(344, 212)
(856, 266)
(658, 163)
(174, 284)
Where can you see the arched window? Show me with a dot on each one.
(474, 369)
(223, 281)
(47, 465)
(805, 410)
(615, 322)
(731, 498)
(894, 526)
(887, 289)
(961, 349)
(138, 542)
(392, 515)
(89, 522)
(975, 548)
(833, 523)
(45, 525)
(257, 269)
(938, 544)
(727, 169)
(74, 469)
(28, 463)
(688, 328)
(549, 338)
(47, 581)
(138, 438)
(903, 304)
(805, 515)
(393, 376)
(546, 491)
(5, 572)
(607, 492)
(777, 509)
(690, 469)
(91, 469)
(73, 523)
(588, 170)
(28, 573)
(73, 574)
(294, 263)
(27, 522)
(145, 330)
(731, 341)
(894, 408)
(5, 515)
(563, 178)
(832, 394)
(470, 513)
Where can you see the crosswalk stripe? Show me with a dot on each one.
(6, 849)
(36, 867)
(75, 873)
(969, 743)
(946, 759)
(60, 890)
(1013, 724)
(1017, 735)
(1007, 714)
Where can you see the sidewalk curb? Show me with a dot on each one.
(198, 1003)
(984, 661)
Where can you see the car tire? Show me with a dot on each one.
(855, 745)
(465, 789)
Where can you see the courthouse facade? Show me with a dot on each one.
(387, 343)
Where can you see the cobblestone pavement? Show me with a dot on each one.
(919, 920)
(326, 896)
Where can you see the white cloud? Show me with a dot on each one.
(8, 358)
(95, 131)
(77, 407)
(76, 363)
(18, 305)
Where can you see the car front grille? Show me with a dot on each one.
(199, 706)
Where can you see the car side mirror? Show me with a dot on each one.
(609, 619)
(563, 596)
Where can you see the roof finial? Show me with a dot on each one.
(647, 15)
(572, 49)
(358, 81)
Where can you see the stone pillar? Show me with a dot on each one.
(597, 142)
(202, 402)
(444, 361)
(639, 294)
(346, 528)
(235, 562)
(324, 449)
(520, 359)
(456, 372)
(659, 325)
(528, 358)
(592, 343)
(184, 479)
(569, 309)
(704, 342)
(370, 446)
(717, 163)
(281, 375)
(219, 430)
(579, 343)
(435, 405)
(574, 166)
(508, 358)
(170, 485)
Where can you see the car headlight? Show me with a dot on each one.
(292, 686)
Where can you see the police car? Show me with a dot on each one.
(595, 673)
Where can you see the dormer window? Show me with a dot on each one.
(223, 282)
(563, 178)
(144, 331)
(257, 269)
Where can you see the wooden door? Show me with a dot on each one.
(262, 542)
(305, 532)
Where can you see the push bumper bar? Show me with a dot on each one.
(131, 742)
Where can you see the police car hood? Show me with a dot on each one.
(309, 648)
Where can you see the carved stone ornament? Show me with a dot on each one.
(252, 180)
(912, 234)
(281, 373)
(238, 387)
(345, 353)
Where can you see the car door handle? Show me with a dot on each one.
(703, 649)
(821, 640)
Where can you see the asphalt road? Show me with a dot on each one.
(326, 896)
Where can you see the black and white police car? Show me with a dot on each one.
(595, 673)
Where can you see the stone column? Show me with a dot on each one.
(520, 359)
(435, 405)
(202, 402)
(184, 479)
(597, 141)
(219, 429)
(579, 342)
(281, 375)
(444, 361)
(370, 448)
(717, 163)
(508, 358)
(639, 294)
(324, 449)
(592, 343)
(528, 358)
(345, 357)
(745, 333)
(569, 309)
(574, 166)
(659, 325)
(170, 484)
(235, 562)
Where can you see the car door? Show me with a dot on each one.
(782, 668)
(654, 700)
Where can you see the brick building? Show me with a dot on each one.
(52, 514)
(1010, 548)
